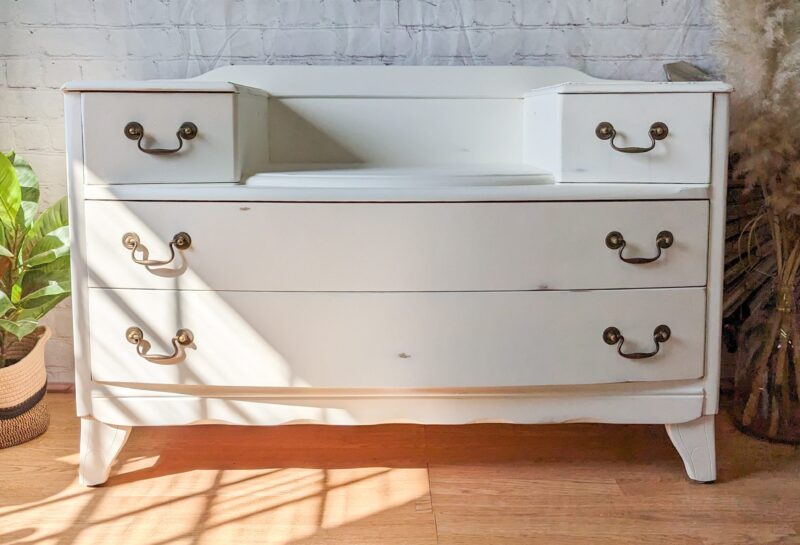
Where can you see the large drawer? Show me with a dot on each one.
(396, 340)
(396, 247)
(577, 148)
(112, 155)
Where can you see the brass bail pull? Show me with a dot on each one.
(135, 131)
(657, 131)
(613, 336)
(182, 339)
(132, 242)
(615, 241)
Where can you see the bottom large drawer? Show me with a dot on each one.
(394, 340)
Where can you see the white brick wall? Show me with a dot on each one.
(46, 42)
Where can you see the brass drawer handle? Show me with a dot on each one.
(658, 131)
(182, 339)
(615, 241)
(612, 336)
(135, 131)
(131, 241)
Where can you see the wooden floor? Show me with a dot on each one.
(397, 484)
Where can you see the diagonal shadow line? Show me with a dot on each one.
(208, 506)
(95, 490)
(94, 502)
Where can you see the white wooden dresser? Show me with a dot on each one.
(360, 245)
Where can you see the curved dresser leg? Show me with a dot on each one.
(695, 443)
(100, 444)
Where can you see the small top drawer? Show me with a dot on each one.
(621, 137)
(159, 137)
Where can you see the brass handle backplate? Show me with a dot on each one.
(615, 241)
(131, 241)
(612, 336)
(182, 339)
(135, 131)
(658, 131)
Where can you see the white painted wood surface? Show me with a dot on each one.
(268, 411)
(110, 157)
(149, 86)
(78, 263)
(599, 87)
(683, 156)
(691, 387)
(297, 188)
(392, 81)
(397, 340)
(398, 131)
(716, 257)
(100, 444)
(694, 441)
(397, 247)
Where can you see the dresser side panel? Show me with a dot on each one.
(252, 133)
(80, 309)
(716, 250)
(541, 131)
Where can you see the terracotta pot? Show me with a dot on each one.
(23, 410)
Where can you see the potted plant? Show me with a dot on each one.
(34, 277)
(759, 51)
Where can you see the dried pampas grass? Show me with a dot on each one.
(759, 51)
(758, 48)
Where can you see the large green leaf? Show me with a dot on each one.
(29, 192)
(36, 277)
(46, 304)
(18, 328)
(4, 251)
(43, 290)
(50, 247)
(51, 219)
(10, 192)
(5, 304)
(52, 288)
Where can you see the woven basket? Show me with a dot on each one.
(23, 410)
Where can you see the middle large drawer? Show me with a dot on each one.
(396, 246)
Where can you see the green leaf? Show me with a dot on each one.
(48, 221)
(36, 313)
(52, 246)
(5, 304)
(10, 192)
(39, 277)
(43, 290)
(52, 288)
(29, 191)
(18, 328)
(16, 293)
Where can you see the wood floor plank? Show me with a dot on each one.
(604, 484)
(482, 484)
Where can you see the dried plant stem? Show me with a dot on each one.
(761, 371)
(779, 397)
(776, 236)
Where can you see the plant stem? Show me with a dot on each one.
(760, 373)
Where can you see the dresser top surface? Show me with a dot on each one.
(396, 82)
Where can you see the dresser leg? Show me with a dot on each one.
(695, 443)
(100, 444)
